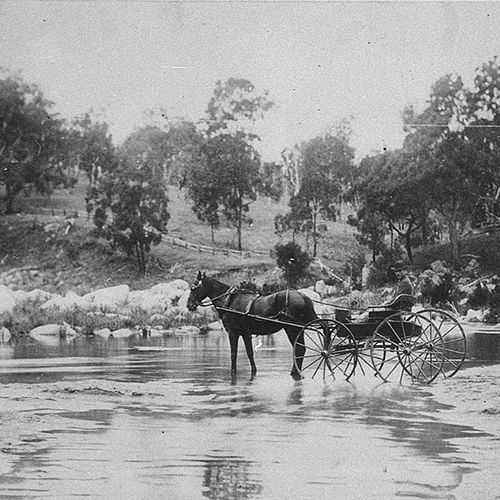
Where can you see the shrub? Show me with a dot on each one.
(293, 261)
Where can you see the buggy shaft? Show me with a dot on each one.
(260, 318)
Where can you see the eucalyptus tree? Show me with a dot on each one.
(449, 147)
(92, 145)
(325, 165)
(234, 178)
(227, 174)
(33, 149)
(130, 208)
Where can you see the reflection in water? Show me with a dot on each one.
(230, 477)
(159, 418)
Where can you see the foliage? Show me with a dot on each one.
(235, 106)
(455, 148)
(170, 152)
(91, 146)
(234, 165)
(130, 209)
(293, 261)
(325, 170)
(32, 141)
(353, 267)
(388, 193)
(271, 182)
(225, 174)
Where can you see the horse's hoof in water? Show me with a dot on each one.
(296, 376)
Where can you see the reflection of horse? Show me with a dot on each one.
(254, 314)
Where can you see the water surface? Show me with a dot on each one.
(161, 418)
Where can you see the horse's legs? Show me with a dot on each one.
(247, 338)
(292, 334)
(233, 341)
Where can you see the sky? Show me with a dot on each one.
(319, 61)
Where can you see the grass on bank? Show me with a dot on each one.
(80, 263)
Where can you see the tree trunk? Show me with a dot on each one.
(9, 200)
(454, 243)
(315, 235)
(141, 260)
(408, 246)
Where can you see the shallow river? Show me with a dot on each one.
(160, 418)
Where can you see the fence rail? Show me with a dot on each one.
(213, 250)
(166, 238)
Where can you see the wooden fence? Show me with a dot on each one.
(212, 250)
(178, 242)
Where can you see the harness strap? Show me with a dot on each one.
(229, 297)
(251, 303)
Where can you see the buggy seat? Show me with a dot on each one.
(402, 302)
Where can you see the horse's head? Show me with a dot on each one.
(198, 291)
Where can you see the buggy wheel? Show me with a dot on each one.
(407, 346)
(325, 348)
(453, 335)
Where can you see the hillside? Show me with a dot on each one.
(35, 252)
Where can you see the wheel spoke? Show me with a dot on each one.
(319, 351)
(388, 340)
(318, 359)
(318, 367)
(314, 341)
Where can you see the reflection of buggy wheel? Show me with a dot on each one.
(407, 345)
(324, 348)
(453, 338)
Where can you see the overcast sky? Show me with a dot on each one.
(320, 61)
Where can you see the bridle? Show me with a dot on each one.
(199, 303)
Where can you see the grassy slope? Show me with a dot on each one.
(23, 243)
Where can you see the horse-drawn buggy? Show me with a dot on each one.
(393, 340)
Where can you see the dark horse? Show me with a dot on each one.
(287, 309)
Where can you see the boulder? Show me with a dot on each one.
(146, 301)
(476, 316)
(170, 293)
(309, 292)
(4, 335)
(70, 301)
(122, 333)
(7, 300)
(320, 288)
(39, 295)
(102, 332)
(52, 330)
(109, 299)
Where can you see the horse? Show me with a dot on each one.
(254, 315)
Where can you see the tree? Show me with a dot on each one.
(130, 209)
(32, 141)
(443, 146)
(271, 184)
(170, 151)
(326, 163)
(93, 146)
(293, 261)
(148, 145)
(225, 174)
(205, 190)
(233, 177)
(235, 106)
(389, 193)
(482, 131)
